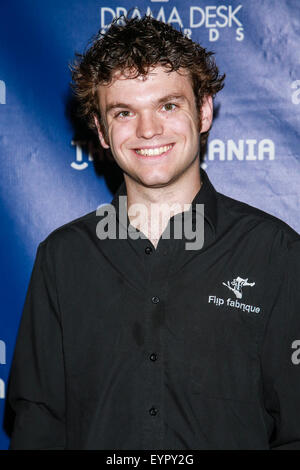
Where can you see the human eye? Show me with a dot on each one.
(169, 107)
(123, 114)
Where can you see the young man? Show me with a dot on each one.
(137, 342)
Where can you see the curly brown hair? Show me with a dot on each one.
(135, 45)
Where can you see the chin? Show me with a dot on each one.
(154, 177)
(155, 182)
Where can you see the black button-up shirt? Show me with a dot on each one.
(124, 346)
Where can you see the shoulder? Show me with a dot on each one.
(255, 222)
(72, 235)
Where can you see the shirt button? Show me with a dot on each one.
(153, 411)
(153, 357)
(155, 300)
(148, 250)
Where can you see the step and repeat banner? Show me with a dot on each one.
(52, 170)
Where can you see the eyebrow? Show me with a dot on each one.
(164, 99)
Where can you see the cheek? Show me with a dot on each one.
(119, 135)
(186, 126)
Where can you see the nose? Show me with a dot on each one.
(149, 125)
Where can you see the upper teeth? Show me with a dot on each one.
(156, 151)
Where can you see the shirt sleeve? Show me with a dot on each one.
(280, 358)
(36, 388)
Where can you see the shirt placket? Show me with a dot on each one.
(156, 262)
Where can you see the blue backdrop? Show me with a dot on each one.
(50, 173)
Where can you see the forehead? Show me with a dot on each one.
(158, 82)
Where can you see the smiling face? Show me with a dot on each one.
(152, 126)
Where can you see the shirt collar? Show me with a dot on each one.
(206, 195)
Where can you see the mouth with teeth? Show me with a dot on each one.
(154, 151)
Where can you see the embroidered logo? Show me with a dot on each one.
(237, 284)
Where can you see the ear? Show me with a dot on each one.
(101, 133)
(206, 113)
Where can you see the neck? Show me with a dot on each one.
(149, 208)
